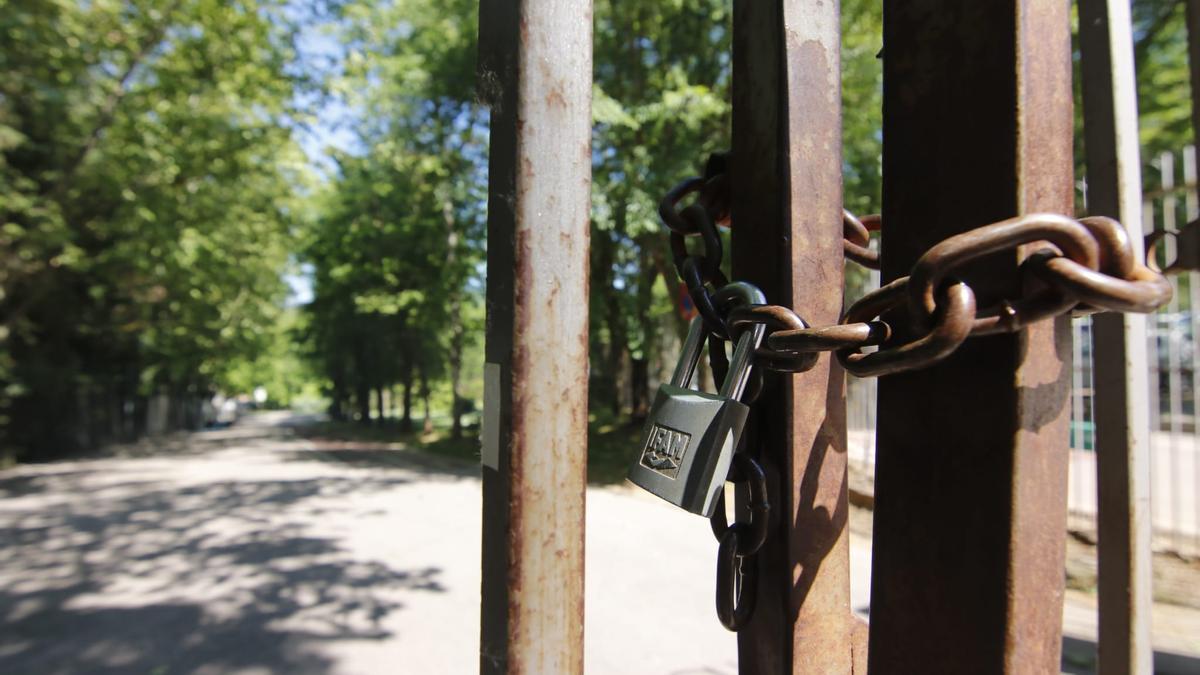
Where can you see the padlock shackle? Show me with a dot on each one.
(739, 364)
(733, 294)
(741, 293)
(685, 368)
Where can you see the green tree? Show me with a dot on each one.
(660, 104)
(399, 239)
(145, 189)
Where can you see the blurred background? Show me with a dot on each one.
(263, 221)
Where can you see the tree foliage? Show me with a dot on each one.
(399, 238)
(145, 202)
(153, 190)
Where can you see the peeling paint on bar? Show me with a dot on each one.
(535, 70)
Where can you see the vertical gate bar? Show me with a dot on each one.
(1119, 361)
(1193, 38)
(1191, 212)
(1166, 168)
(1078, 438)
(535, 70)
(971, 472)
(787, 197)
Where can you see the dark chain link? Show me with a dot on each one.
(737, 567)
(1187, 249)
(701, 273)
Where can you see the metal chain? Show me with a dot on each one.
(737, 567)
(1084, 266)
(1187, 248)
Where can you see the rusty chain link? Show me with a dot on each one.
(856, 239)
(1083, 266)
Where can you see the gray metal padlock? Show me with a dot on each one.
(690, 436)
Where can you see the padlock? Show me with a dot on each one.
(690, 436)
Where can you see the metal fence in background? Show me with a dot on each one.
(1173, 355)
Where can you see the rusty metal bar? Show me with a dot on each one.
(971, 473)
(534, 70)
(1120, 365)
(787, 200)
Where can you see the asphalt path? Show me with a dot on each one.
(251, 550)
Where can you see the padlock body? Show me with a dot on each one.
(687, 445)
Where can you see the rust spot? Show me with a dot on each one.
(555, 98)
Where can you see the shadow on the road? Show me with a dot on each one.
(31, 484)
(191, 443)
(137, 577)
(1079, 658)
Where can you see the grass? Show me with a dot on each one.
(611, 446)
(440, 441)
(611, 442)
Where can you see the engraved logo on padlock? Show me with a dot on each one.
(690, 436)
(665, 449)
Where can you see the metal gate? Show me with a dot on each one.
(971, 461)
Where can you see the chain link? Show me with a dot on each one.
(737, 569)
(856, 239)
(1081, 266)
(950, 328)
(1187, 248)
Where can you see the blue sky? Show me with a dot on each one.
(329, 132)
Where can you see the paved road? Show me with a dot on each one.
(247, 550)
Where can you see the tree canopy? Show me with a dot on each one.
(167, 165)
(147, 186)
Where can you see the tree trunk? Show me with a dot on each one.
(639, 390)
(456, 327)
(363, 397)
(407, 384)
(456, 354)
(610, 390)
(639, 376)
(337, 399)
(362, 386)
(427, 425)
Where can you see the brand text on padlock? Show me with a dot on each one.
(664, 450)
